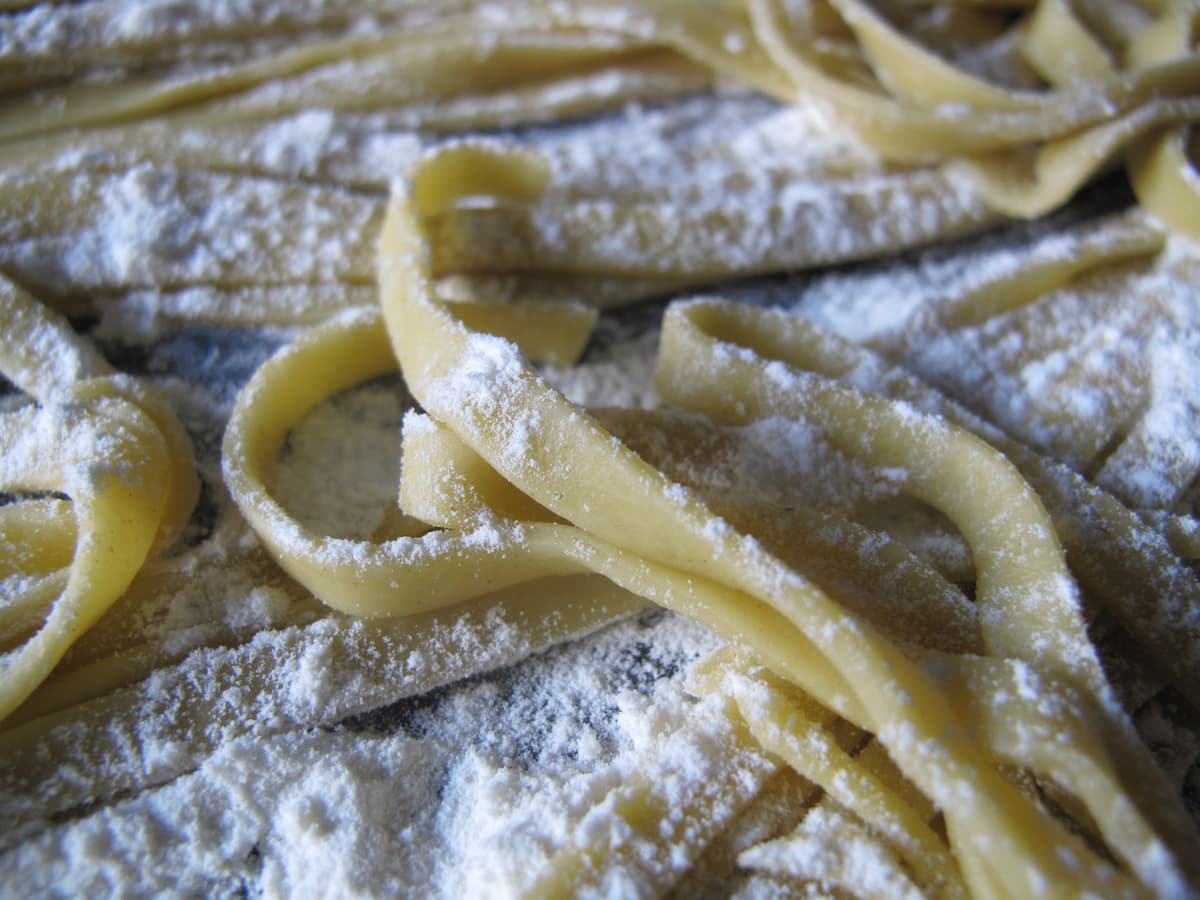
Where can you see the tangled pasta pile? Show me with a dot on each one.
(961, 721)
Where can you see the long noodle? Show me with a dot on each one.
(933, 725)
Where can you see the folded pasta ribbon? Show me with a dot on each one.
(109, 446)
(564, 460)
(739, 363)
(1027, 152)
(1164, 178)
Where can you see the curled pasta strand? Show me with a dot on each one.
(445, 377)
(46, 359)
(1045, 726)
(111, 460)
(1166, 181)
(118, 453)
(690, 350)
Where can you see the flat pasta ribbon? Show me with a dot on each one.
(549, 450)
(1096, 94)
(110, 446)
(1027, 152)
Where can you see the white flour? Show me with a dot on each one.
(474, 806)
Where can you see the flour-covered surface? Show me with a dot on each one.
(262, 745)
(461, 792)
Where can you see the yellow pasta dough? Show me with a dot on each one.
(951, 728)
(120, 456)
(485, 405)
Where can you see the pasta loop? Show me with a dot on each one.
(118, 454)
(483, 392)
(948, 717)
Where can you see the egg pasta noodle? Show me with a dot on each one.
(958, 729)
(539, 231)
(1127, 95)
(1037, 699)
(120, 456)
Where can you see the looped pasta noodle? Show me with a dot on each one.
(954, 717)
(109, 458)
(480, 389)
(120, 456)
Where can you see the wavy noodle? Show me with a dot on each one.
(120, 456)
(960, 745)
(489, 403)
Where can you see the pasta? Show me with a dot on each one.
(951, 722)
(121, 457)
(510, 392)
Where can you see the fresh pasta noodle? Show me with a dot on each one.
(943, 544)
(668, 240)
(1078, 507)
(1068, 140)
(811, 749)
(1159, 169)
(430, 65)
(920, 107)
(1008, 639)
(121, 458)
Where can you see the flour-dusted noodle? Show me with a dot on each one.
(186, 704)
(417, 65)
(1015, 631)
(447, 484)
(1083, 514)
(1156, 604)
(879, 214)
(513, 392)
(411, 574)
(806, 743)
(932, 613)
(121, 457)
(919, 108)
(116, 517)
(669, 813)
